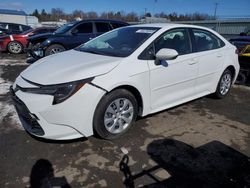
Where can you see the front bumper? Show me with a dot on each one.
(29, 120)
(70, 119)
(35, 53)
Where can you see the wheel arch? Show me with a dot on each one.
(136, 94)
(56, 43)
(232, 70)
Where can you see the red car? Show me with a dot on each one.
(18, 42)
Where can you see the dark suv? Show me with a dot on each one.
(69, 36)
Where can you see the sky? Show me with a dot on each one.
(225, 7)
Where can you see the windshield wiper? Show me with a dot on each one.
(91, 51)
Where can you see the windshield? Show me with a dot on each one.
(64, 28)
(120, 42)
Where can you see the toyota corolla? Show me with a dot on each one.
(102, 86)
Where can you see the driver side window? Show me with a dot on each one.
(177, 39)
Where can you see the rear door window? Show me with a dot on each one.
(102, 27)
(204, 40)
(84, 28)
(14, 27)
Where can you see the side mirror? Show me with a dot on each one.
(165, 54)
(74, 31)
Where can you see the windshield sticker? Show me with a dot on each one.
(149, 31)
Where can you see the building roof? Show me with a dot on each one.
(13, 12)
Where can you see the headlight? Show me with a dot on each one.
(38, 52)
(64, 92)
(61, 92)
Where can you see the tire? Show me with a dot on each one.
(108, 122)
(15, 47)
(54, 49)
(224, 84)
(242, 78)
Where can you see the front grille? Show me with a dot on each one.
(28, 119)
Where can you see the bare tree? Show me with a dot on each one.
(57, 14)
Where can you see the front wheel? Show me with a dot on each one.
(224, 84)
(54, 49)
(115, 114)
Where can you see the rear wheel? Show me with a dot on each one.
(54, 49)
(15, 47)
(224, 84)
(115, 114)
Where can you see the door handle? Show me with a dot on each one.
(193, 61)
(219, 55)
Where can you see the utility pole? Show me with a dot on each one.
(215, 10)
(154, 7)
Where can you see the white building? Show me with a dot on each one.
(17, 16)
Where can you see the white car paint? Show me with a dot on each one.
(160, 86)
(84, 65)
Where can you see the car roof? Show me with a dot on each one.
(100, 20)
(170, 25)
(13, 23)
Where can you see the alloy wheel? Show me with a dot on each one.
(225, 83)
(118, 115)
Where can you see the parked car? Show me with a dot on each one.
(3, 31)
(16, 44)
(103, 85)
(70, 36)
(242, 43)
(14, 28)
(247, 33)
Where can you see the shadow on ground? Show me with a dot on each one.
(213, 165)
(42, 176)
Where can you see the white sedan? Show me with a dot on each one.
(103, 85)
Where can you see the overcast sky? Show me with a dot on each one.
(225, 7)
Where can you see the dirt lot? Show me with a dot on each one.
(204, 143)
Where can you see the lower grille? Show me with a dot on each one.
(28, 119)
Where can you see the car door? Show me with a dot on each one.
(173, 81)
(82, 33)
(210, 59)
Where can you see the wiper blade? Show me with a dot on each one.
(91, 51)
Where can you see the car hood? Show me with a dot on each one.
(40, 36)
(69, 66)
